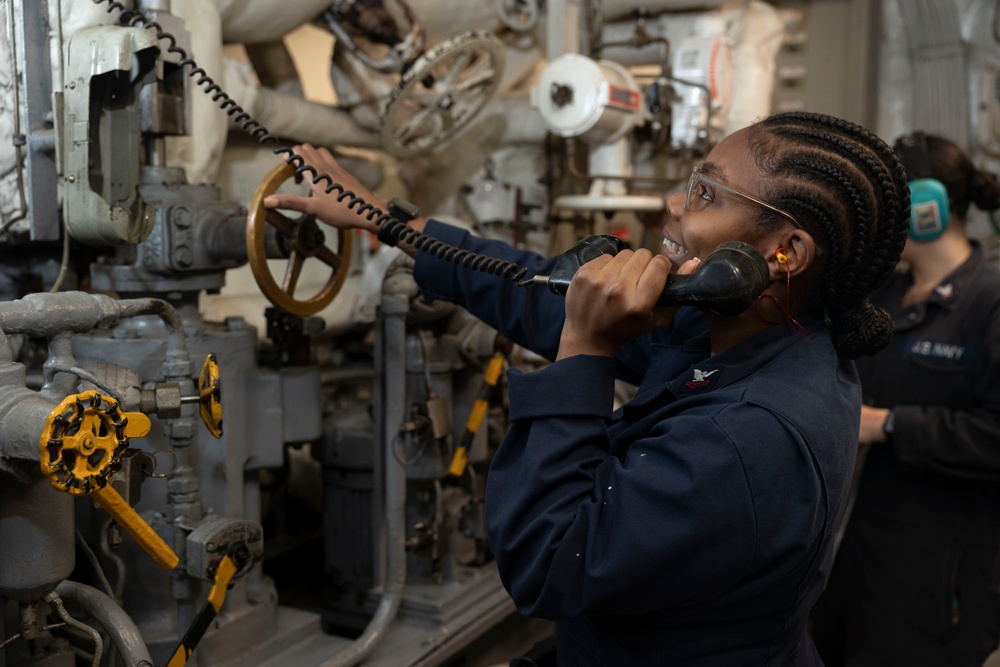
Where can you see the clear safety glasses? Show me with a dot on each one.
(703, 189)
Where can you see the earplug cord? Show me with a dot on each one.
(390, 228)
(793, 323)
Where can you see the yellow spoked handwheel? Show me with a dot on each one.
(84, 439)
(81, 447)
(210, 396)
(303, 238)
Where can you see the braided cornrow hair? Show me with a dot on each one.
(849, 190)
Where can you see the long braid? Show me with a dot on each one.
(849, 189)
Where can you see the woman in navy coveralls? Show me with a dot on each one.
(694, 525)
(917, 577)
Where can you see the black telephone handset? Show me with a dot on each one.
(727, 282)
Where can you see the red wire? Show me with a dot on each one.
(793, 324)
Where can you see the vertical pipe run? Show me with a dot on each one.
(562, 27)
(393, 344)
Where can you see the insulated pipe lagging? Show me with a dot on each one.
(43, 315)
(394, 309)
(119, 626)
(291, 116)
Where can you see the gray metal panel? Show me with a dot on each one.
(828, 63)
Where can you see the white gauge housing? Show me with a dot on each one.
(596, 101)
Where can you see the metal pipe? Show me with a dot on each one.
(55, 601)
(396, 292)
(253, 21)
(306, 121)
(183, 486)
(614, 10)
(60, 358)
(119, 625)
(167, 313)
(42, 141)
(227, 239)
(43, 315)
(23, 412)
(562, 28)
(176, 338)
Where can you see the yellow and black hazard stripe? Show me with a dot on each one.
(461, 458)
(226, 570)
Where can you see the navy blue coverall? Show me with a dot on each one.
(694, 525)
(916, 579)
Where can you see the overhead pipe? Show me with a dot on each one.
(302, 120)
(255, 21)
(44, 315)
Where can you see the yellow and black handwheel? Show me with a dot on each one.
(210, 396)
(300, 238)
(81, 447)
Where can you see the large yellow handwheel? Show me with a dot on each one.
(303, 238)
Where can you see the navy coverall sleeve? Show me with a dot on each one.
(565, 516)
(961, 441)
(531, 317)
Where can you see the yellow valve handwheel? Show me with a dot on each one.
(81, 447)
(303, 238)
(83, 441)
(210, 396)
